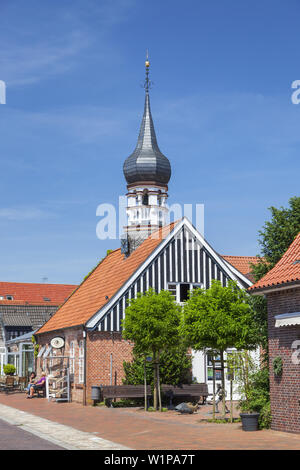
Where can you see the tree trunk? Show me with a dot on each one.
(154, 382)
(223, 383)
(214, 389)
(231, 401)
(158, 383)
(145, 383)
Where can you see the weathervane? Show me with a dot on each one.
(147, 83)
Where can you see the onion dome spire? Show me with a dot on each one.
(147, 164)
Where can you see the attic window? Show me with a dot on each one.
(46, 299)
(9, 297)
(297, 261)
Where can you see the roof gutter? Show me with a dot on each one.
(274, 288)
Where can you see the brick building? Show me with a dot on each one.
(281, 286)
(25, 307)
(176, 257)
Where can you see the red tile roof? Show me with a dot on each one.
(287, 270)
(104, 281)
(242, 264)
(34, 294)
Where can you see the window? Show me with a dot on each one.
(72, 357)
(13, 332)
(145, 199)
(210, 371)
(184, 292)
(81, 362)
(9, 297)
(173, 290)
(180, 290)
(46, 299)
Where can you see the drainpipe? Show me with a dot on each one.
(111, 369)
(84, 366)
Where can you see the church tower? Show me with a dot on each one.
(147, 172)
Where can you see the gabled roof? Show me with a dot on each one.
(286, 272)
(102, 284)
(113, 275)
(34, 294)
(242, 264)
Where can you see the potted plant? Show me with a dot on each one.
(248, 403)
(9, 369)
(248, 416)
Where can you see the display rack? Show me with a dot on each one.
(58, 382)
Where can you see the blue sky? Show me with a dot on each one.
(221, 104)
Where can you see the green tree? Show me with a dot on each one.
(219, 318)
(152, 322)
(276, 236)
(175, 368)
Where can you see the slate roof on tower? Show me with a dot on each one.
(147, 164)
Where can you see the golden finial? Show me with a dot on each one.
(147, 63)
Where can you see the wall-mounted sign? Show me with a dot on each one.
(57, 342)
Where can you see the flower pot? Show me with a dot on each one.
(249, 421)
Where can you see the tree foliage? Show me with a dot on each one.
(276, 236)
(219, 318)
(152, 322)
(175, 368)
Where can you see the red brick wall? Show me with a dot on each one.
(102, 350)
(285, 390)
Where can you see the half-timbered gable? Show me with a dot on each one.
(181, 262)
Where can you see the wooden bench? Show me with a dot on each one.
(40, 392)
(192, 391)
(8, 384)
(110, 392)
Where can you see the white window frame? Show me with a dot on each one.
(81, 362)
(192, 285)
(72, 357)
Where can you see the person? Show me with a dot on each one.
(31, 381)
(38, 385)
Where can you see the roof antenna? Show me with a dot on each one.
(44, 279)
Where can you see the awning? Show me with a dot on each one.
(287, 319)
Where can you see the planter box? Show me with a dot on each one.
(249, 421)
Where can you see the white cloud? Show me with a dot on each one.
(53, 41)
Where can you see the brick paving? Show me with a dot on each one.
(137, 429)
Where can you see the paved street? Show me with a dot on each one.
(13, 437)
(77, 427)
